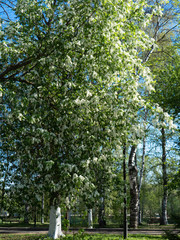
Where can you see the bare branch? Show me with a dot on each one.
(5, 12)
(167, 32)
(9, 6)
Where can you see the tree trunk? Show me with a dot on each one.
(90, 219)
(142, 210)
(4, 183)
(55, 230)
(3, 193)
(164, 220)
(35, 216)
(26, 214)
(101, 216)
(140, 180)
(133, 189)
(69, 216)
(125, 228)
(42, 209)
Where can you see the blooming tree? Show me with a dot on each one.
(68, 71)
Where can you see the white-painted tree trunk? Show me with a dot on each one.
(55, 230)
(90, 218)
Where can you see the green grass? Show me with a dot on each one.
(22, 237)
(21, 224)
(80, 237)
(157, 226)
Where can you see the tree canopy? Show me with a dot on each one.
(73, 82)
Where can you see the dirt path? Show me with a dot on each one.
(26, 230)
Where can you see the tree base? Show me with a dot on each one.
(55, 230)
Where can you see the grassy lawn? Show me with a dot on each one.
(79, 237)
(21, 224)
(157, 226)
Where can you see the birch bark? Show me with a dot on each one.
(164, 220)
(140, 181)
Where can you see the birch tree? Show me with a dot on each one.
(162, 26)
(168, 28)
(168, 99)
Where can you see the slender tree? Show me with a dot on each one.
(162, 27)
(125, 227)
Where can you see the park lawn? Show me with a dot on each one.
(22, 224)
(157, 226)
(79, 237)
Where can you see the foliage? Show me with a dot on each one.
(167, 85)
(74, 88)
(70, 92)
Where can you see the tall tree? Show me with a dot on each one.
(163, 64)
(68, 77)
(162, 27)
(125, 222)
(133, 188)
(167, 97)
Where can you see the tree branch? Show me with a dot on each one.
(5, 12)
(167, 32)
(14, 67)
